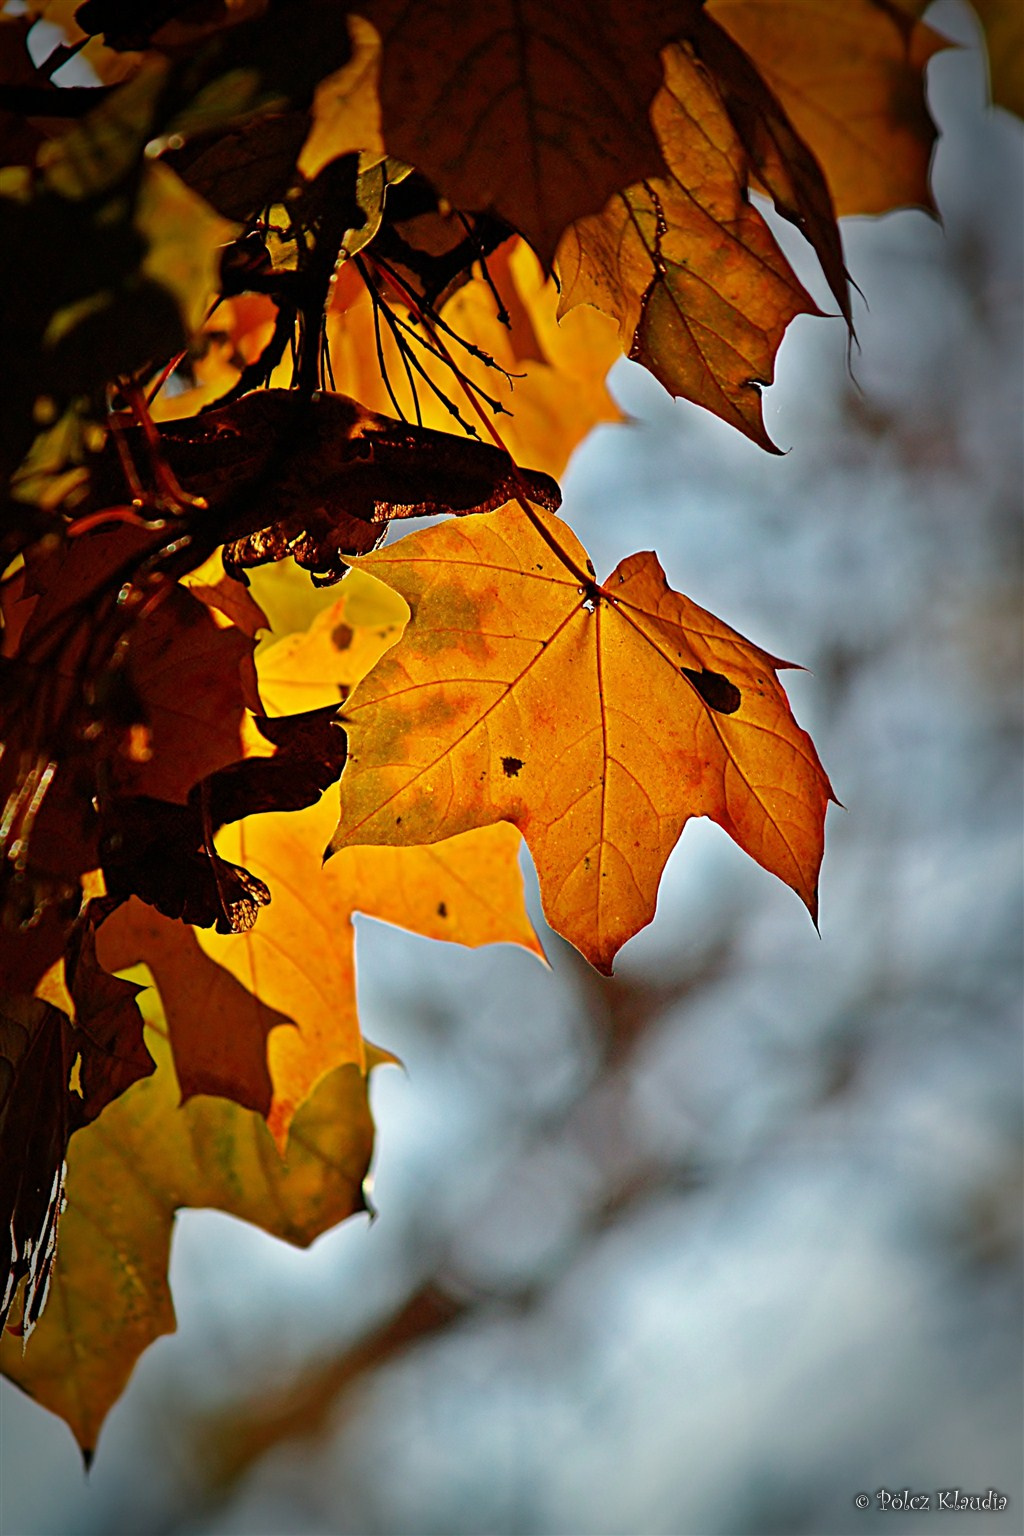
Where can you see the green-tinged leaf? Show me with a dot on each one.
(128, 1173)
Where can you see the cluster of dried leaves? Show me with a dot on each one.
(274, 280)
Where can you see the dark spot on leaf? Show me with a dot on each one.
(511, 766)
(442, 910)
(398, 821)
(716, 691)
(341, 637)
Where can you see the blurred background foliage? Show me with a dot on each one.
(715, 1245)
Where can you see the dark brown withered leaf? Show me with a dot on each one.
(320, 478)
(108, 1030)
(158, 852)
(164, 853)
(246, 167)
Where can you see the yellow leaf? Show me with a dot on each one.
(185, 239)
(596, 719)
(535, 112)
(850, 74)
(128, 1173)
(346, 109)
(556, 393)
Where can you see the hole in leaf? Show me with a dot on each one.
(716, 691)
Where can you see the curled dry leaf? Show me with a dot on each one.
(319, 479)
(597, 719)
(36, 1055)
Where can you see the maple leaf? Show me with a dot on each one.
(531, 111)
(596, 719)
(686, 263)
(128, 1173)
(850, 75)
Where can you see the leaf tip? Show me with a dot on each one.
(536, 948)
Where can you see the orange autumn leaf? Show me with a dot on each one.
(191, 673)
(218, 1030)
(596, 719)
(686, 263)
(850, 74)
